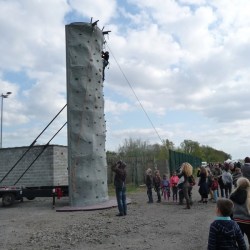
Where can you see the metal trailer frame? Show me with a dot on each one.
(10, 194)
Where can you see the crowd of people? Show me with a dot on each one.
(227, 185)
(179, 185)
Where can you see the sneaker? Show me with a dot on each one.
(119, 214)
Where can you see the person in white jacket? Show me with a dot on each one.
(227, 180)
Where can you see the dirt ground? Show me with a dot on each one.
(34, 225)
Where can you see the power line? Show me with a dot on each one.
(135, 95)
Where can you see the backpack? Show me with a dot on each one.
(215, 185)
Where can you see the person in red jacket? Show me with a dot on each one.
(173, 184)
(215, 187)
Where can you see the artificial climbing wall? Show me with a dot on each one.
(86, 124)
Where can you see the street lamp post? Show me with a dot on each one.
(3, 96)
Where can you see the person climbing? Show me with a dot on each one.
(105, 59)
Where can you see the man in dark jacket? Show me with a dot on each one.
(120, 186)
(246, 168)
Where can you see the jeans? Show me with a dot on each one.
(181, 196)
(150, 195)
(228, 189)
(215, 194)
(222, 191)
(174, 191)
(186, 192)
(121, 200)
(158, 192)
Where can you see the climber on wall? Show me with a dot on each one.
(105, 58)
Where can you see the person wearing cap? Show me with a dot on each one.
(120, 186)
(245, 169)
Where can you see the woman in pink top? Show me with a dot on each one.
(173, 184)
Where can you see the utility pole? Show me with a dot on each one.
(2, 96)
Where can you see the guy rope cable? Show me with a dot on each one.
(135, 95)
(32, 144)
(44, 147)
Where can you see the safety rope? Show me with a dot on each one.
(129, 84)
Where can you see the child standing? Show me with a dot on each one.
(215, 187)
(149, 184)
(173, 184)
(165, 186)
(225, 233)
(157, 184)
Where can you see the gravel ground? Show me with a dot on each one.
(34, 225)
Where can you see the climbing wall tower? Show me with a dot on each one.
(86, 124)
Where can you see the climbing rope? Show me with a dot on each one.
(129, 84)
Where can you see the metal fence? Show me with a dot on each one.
(136, 167)
(177, 158)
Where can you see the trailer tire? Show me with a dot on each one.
(30, 198)
(8, 199)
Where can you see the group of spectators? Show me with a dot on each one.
(179, 184)
(233, 206)
(218, 180)
(227, 184)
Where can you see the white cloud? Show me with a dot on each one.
(102, 10)
(178, 56)
(33, 33)
(116, 107)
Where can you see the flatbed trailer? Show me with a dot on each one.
(10, 194)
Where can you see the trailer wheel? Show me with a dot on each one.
(30, 198)
(8, 199)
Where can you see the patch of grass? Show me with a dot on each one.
(131, 188)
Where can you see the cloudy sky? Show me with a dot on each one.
(187, 61)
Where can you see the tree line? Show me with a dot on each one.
(139, 148)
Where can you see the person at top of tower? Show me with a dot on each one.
(105, 58)
(105, 55)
